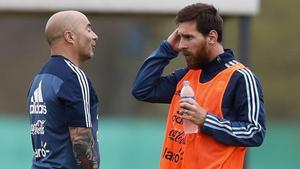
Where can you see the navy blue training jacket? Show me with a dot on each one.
(242, 106)
(60, 96)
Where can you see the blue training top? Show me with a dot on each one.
(60, 96)
(242, 101)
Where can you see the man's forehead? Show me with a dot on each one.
(186, 28)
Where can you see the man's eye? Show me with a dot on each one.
(187, 37)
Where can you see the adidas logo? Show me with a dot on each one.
(37, 105)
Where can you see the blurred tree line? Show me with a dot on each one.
(126, 40)
(275, 54)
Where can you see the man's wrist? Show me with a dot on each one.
(200, 126)
(170, 47)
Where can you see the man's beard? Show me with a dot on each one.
(198, 60)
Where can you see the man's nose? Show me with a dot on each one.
(182, 44)
(95, 37)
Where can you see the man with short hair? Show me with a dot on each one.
(61, 100)
(228, 106)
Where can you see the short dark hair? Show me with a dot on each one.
(206, 17)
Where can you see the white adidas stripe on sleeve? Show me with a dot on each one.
(85, 92)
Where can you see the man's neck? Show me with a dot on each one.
(216, 51)
(67, 54)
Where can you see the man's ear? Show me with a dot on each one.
(212, 37)
(69, 37)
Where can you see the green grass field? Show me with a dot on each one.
(136, 144)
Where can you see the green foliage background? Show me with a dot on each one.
(275, 55)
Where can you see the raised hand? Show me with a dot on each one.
(174, 40)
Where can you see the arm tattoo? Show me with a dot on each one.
(84, 147)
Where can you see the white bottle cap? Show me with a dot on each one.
(186, 83)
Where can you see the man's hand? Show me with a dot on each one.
(190, 110)
(174, 40)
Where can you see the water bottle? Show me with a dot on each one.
(187, 92)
